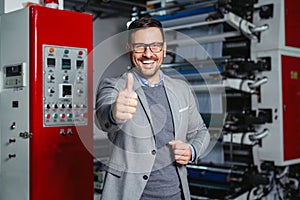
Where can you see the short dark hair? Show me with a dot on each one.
(145, 22)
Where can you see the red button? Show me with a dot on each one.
(62, 116)
(80, 53)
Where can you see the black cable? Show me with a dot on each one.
(268, 191)
(249, 193)
(278, 193)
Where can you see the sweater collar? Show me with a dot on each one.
(145, 83)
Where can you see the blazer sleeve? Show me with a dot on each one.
(197, 135)
(107, 93)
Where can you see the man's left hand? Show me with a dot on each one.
(182, 151)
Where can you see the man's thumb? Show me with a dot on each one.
(172, 143)
(130, 81)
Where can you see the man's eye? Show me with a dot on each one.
(155, 45)
(138, 46)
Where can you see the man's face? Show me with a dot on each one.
(147, 63)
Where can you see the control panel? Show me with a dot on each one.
(65, 85)
(14, 75)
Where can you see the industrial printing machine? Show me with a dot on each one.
(248, 88)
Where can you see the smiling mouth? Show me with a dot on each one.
(147, 62)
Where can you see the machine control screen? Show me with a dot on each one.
(66, 64)
(65, 91)
(13, 75)
(51, 62)
(13, 70)
(65, 86)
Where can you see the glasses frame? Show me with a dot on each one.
(148, 45)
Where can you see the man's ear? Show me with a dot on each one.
(165, 49)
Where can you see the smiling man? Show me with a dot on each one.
(148, 50)
(153, 122)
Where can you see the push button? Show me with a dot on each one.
(145, 177)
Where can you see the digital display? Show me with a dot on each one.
(51, 62)
(66, 91)
(14, 70)
(66, 64)
(79, 64)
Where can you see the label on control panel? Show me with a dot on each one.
(65, 86)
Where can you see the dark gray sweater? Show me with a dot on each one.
(163, 182)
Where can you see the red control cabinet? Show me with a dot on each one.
(61, 160)
(47, 134)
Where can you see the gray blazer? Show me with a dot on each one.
(133, 152)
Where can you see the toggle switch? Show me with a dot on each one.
(79, 91)
(69, 131)
(66, 78)
(13, 126)
(80, 78)
(51, 78)
(51, 90)
(62, 132)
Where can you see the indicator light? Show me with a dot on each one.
(51, 3)
(80, 53)
(66, 51)
(51, 50)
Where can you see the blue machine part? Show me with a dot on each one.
(207, 176)
(185, 13)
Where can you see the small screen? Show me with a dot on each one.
(14, 70)
(66, 64)
(79, 64)
(51, 62)
(66, 90)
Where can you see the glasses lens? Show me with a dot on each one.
(139, 48)
(156, 47)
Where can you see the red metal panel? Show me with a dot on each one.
(61, 167)
(292, 23)
(291, 106)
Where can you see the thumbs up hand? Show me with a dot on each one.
(126, 102)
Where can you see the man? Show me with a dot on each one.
(153, 122)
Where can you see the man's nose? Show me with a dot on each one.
(148, 52)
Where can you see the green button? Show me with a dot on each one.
(55, 116)
(70, 115)
(66, 51)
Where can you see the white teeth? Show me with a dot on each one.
(148, 61)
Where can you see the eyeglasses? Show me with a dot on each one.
(155, 47)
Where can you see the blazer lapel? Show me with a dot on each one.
(174, 104)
